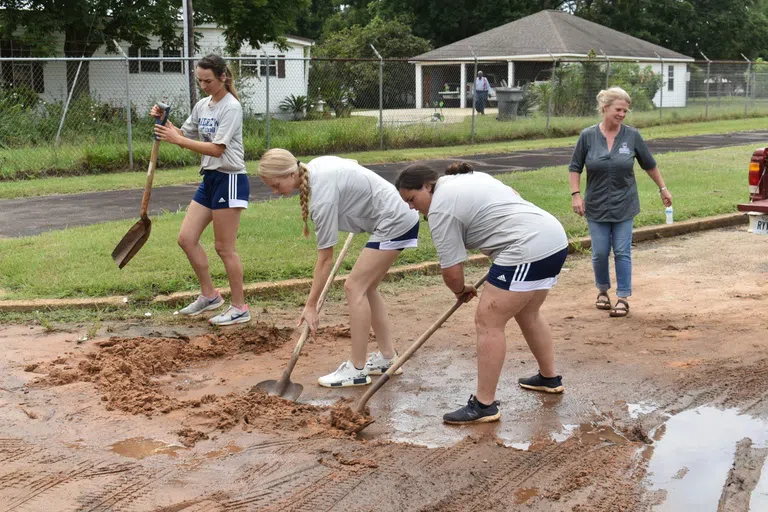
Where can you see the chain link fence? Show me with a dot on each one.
(66, 116)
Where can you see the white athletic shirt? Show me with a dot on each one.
(345, 196)
(477, 211)
(220, 124)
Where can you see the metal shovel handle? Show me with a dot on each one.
(411, 350)
(286, 377)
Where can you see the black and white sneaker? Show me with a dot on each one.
(473, 412)
(539, 383)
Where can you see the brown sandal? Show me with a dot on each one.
(617, 311)
(603, 301)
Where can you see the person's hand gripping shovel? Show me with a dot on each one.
(139, 232)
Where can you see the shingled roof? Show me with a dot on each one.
(556, 32)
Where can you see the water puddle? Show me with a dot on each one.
(693, 453)
(524, 494)
(635, 410)
(140, 447)
(227, 450)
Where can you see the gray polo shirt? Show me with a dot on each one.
(611, 194)
(477, 211)
(345, 196)
(221, 123)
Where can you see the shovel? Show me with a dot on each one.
(284, 387)
(135, 238)
(360, 406)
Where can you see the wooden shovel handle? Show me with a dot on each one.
(413, 348)
(305, 332)
(150, 178)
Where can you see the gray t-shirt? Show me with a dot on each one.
(611, 194)
(477, 211)
(221, 123)
(345, 196)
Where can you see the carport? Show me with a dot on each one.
(524, 51)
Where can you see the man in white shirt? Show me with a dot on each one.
(481, 92)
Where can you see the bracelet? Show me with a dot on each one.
(577, 192)
(662, 189)
(464, 287)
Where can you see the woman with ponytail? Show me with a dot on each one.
(340, 195)
(215, 130)
(527, 247)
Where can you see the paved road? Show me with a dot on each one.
(31, 216)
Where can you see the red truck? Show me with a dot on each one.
(757, 207)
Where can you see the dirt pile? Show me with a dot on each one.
(126, 371)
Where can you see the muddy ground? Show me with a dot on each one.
(664, 410)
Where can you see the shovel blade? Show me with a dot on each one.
(272, 387)
(133, 240)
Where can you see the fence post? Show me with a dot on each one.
(746, 84)
(607, 68)
(381, 98)
(474, 98)
(661, 89)
(66, 106)
(266, 109)
(551, 87)
(709, 63)
(127, 104)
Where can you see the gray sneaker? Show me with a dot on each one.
(231, 316)
(202, 304)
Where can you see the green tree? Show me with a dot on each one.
(345, 84)
(86, 25)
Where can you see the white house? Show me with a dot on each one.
(523, 51)
(147, 81)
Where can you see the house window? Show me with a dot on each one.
(154, 66)
(20, 73)
(671, 78)
(258, 66)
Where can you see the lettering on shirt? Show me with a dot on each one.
(624, 150)
(207, 126)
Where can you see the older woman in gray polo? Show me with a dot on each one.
(608, 150)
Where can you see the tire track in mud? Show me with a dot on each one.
(124, 492)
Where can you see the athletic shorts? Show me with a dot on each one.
(223, 190)
(410, 239)
(538, 275)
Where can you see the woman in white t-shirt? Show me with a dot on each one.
(527, 245)
(214, 129)
(341, 195)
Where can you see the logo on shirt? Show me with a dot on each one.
(207, 126)
(624, 149)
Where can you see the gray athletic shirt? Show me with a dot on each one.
(477, 211)
(345, 196)
(220, 124)
(611, 194)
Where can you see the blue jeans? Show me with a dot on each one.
(619, 236)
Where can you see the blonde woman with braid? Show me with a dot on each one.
(340, 195)
(215, 130)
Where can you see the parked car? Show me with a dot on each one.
(757, 207)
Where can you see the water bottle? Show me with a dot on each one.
(668, 213)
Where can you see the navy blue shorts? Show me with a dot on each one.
(223, 190)
(410, 239)
(538, 275)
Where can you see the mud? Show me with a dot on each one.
(655, 415)
(743, 476)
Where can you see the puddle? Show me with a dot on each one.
(635, 410)
(524, 494)
(693, 453)
(563, 435)
(227, 450)
(140, 447)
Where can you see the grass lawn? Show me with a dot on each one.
(165, 177)
(103, 149)
(77, 262)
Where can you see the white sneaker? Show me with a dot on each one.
(202, 304)
(377, 364)
(231, 316)
(345, 375)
